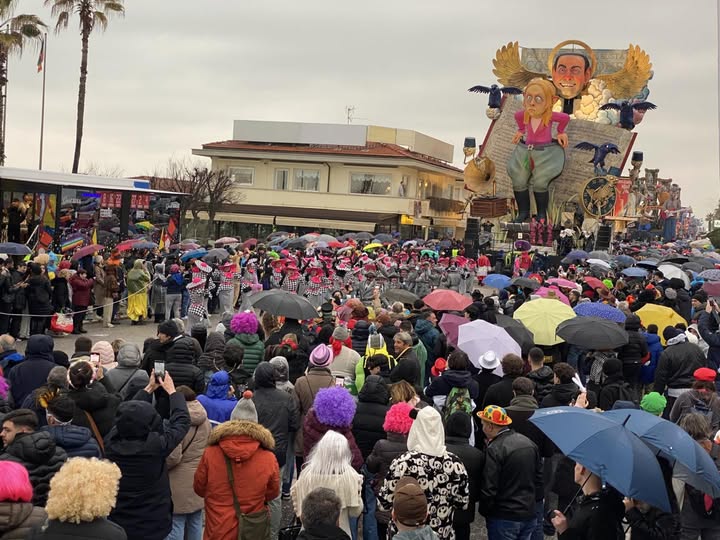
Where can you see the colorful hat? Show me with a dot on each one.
(704, 374)
(495, 415)
(321, 356)
(204, 267)
(653, 403)
(194, 285)
(439, 366)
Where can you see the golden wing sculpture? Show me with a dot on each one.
(509, 69)
(633, 77)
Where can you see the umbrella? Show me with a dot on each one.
(525, 283)
(145, 244)
(126, 245)
(226, 240)
(335, 244)
(595, 283)
(599, 271)
(11, 248)
(409, 243)
(310, 237)
(87, 250)
(285, 303)
(600, 310)
(383, 238)
(677, 259)
(277, 233)
(326, 238)
(498, 281)
(542, 316)
(363, 236)
(648, 263)
(709, 275)
(145, 225)
(190, 241)
(625, 260)
(348, 236)
(598, 262)
(517, 331)
(250, 242)
(186, 247)
(295, 243)
(449, 325)
(193, 254)
(320, 245)
(693, 267)
(659, 315)
(429, 253)
(602, 255)
(634, 272)
(400, 295)
(577, 255)
(562, 282)
(608, 449)
(712, 288)
(544, 292)
(671, 271)
(522, 245)
(217, 254)
(446, 300)
(707, 264)
(372, 246)
(692, 464)
(478, 337)
(593, 333)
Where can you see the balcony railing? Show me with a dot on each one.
(446, 205)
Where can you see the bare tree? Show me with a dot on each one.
(94, 168)
(220, 191)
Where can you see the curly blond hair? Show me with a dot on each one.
(83, 489)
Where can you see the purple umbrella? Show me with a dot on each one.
(449, 324)
(603, 311)
(522, 245)
(711, 275)
(577, 255)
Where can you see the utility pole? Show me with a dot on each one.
(350, 113)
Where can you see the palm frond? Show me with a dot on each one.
(7, 7)
(22, 23)
(10, 42)
(116, 7)
(60, 6)
(62, 21)
(100, 19)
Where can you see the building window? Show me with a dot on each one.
(370, 184)
(307, 180)
(282, 179)
(242, 175)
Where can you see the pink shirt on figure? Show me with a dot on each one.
(543, 135)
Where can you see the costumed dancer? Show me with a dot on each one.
(276, 275)
(226, 288)
(318, 287)
(237, 278)
(423, 285)
(250, 285)
(537, 157)
(137, 285)
(292, 280)
(197, 311)
(522, 264)
(205, 274)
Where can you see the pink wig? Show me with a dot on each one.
(14, 482)
(397, 419)
(244, 323)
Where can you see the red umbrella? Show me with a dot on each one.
(447, 300)
(87, 250)
(595, 283)
(127, 244)
(249, 242)
(712, 288)
(450, 326)
(335, 245)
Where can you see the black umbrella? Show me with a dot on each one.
(693, 267)
(400, 295)
(279, 302)
(592, 333)
(347, 236)
(525, 283)
(216, 255)
(517, 331)
(363, 236)
(677, 259)
(296, 243)
(383, 238)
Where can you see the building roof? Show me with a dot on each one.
(371, 149)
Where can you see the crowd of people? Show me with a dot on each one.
(368, 417)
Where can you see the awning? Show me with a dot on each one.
(235, 218)
(440, 222)
(325, 224)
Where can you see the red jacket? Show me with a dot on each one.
(81, 290)
(257, 476)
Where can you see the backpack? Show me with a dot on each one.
(700, 407)
(625, 393)
(458, 400)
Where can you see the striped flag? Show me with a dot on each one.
(41, 56)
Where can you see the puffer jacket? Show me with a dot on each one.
(39, 454)
(636, 348)
(249, 448)
(128, 374)
(560, 395)
(18, 519)
(370, 414)
(31, 373)
(543, 379)
(216, 400)
(677, 364)
(184, 460)
(360, 335)
(254, 350)
(77, 441)
(313, 431)
(306, 387)
(212, 358)
(655, 348)
(98, 403)
(276, 409)
(179, 362)
(382, 455)
(453, 378)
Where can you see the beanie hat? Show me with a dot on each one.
(334, 406)
(169, 328)
(62, 408)
(321, 356)
(245, 408)
(398, 419)
(704, 374)
(670, 332)
(244, 322)
(409, 503)
(458, 424)
(341, 333)
(106, 352)
(612, 366)
(670, 294)
(653, 403)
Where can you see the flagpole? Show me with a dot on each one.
(42, 107)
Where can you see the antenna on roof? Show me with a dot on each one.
(350, 113)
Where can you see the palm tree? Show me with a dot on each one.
(91, 13)
(16, 32)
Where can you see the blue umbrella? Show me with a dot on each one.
(625, 260)
(603, 311)
(648, 263)
(635, 272)
(11, 248)
(145, 245)
(693, 465)
(608, 449)
(498, 281)
(577, 255)
(711, 275)
(194, 254)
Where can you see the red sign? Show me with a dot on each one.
(140, 201)
(110, 199)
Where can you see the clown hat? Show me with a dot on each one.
(204, 267)
(495, 415)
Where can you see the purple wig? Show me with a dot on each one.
(334, 407)
(244, 323)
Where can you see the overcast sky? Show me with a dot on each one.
(173, 74)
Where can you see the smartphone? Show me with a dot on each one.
(159, 370)
(340, 381)
(95, 358)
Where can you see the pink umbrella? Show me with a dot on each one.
(562, 282)
(447, 300)
(711, 287)
(544, 291)
(450, 324)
